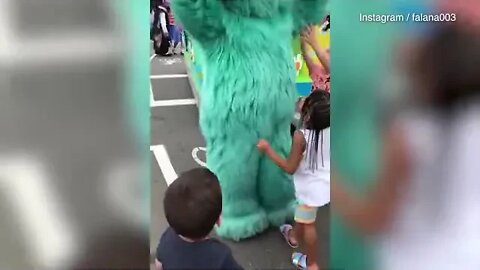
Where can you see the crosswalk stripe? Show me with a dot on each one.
(173, 102)
(163, 160)
(25, 181)
(168, 76)
(152, 97)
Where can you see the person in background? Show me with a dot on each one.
(175, 33)
(159, 31)
(319, 72)
(193, 205)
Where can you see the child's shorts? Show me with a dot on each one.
(305, 214)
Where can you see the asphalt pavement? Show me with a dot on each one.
(174, 135)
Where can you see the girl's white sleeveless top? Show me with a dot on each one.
(312, 187)
(437, 223)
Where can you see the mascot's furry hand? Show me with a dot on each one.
(248, 93)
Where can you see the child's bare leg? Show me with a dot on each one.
(296, 235)
(305, 217)
(310, 245)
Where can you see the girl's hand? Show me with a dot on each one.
(309, 35)
(263, 145)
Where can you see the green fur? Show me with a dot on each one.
(248, 93)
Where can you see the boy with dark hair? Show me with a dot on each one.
(193, 204)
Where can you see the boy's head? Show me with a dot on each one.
(193, 203)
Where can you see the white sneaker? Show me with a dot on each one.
(178, 49)
(171, 50)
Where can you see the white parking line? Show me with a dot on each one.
(173, 102)
(152, 98)
(195, 155)
(168, 76)
(164, 163)
(167, 103)
(26, 182)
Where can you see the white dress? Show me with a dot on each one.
(312, 186)
(437, 224)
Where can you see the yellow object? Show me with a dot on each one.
(324, 40)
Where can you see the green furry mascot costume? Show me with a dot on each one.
(248, 93)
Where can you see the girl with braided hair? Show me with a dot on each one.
(309, 162)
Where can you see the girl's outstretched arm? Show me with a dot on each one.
(203, 19)
(291, 164)
(374, 212)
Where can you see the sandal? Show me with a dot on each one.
(299, 260)
(285, 230)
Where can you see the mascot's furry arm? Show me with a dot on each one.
(308, 12)
(202, 18)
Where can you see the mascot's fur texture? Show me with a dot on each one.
(248, 93)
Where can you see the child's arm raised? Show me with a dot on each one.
(309, 37)
(374, 212)
(201, 18)
(291, 164)
(311, 65)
